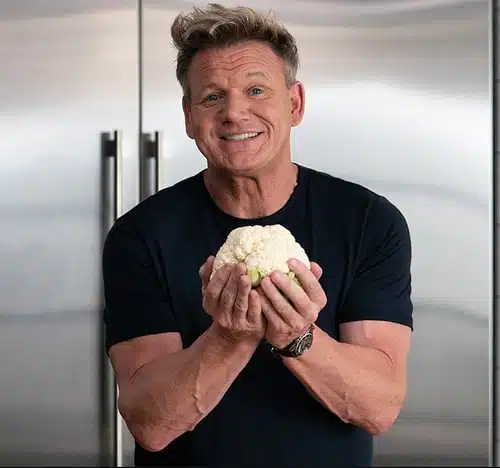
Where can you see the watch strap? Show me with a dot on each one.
(291, 349)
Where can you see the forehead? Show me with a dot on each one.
(234, 63)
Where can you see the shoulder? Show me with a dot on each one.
(349, 203)
(339, 200)
(158, 210)
(343, 190)
(157, 218)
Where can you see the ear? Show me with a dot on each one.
(186, 107)
(297, 100)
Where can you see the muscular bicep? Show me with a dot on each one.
(138, 313)
(129, 356)
(391, 339)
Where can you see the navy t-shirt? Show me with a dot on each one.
(267, 418)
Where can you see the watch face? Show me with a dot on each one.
(304, 344)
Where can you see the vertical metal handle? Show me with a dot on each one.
(111, 424)
(159, 159)
(112, 183)
(151, 168)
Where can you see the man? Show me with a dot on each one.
(199, 385)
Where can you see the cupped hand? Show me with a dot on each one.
(229, 299)
(290, 309)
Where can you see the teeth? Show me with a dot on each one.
(240, 136)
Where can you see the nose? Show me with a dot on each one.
(234, 109)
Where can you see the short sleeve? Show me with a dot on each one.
(137, 302)
(381, 286)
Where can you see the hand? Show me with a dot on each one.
(229, 299)
(290, 309)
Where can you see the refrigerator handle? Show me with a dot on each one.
(111, 424)
(113, 160)
(159, 161)
(151, 168)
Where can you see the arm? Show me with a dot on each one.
(166, 390)
(361, 379)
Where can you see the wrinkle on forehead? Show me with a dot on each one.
(243, 60)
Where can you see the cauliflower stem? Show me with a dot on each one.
(256, 277)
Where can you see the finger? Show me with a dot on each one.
(308, 282)
(316, 270)
(241, 302)
(268, 311)
(295, 294)
(215, 286)
(279, 304)
(230, 290)
(205, 272)
(254, 312)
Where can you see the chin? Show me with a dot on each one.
(247, 165)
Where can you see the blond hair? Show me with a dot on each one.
(217, 26)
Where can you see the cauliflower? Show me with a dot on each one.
(263, 249)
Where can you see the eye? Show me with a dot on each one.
(211, 97)
(255, 91)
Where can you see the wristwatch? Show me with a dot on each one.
(297, 347)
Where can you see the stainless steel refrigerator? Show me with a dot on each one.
(398, 99)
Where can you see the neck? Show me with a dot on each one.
(252, 196)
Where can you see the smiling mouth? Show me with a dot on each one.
(241, 136)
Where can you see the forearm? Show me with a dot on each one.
(358, 384)
(171, 395)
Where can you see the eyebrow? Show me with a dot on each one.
(257, 73)
(213, 85)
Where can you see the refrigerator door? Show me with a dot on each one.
(69, 73)
(398, 99)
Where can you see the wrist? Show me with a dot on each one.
(296, 347)
(231, 339)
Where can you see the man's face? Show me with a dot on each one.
(240, 110)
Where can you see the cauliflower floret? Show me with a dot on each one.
(263, 249)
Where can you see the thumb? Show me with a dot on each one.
(206, 271)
